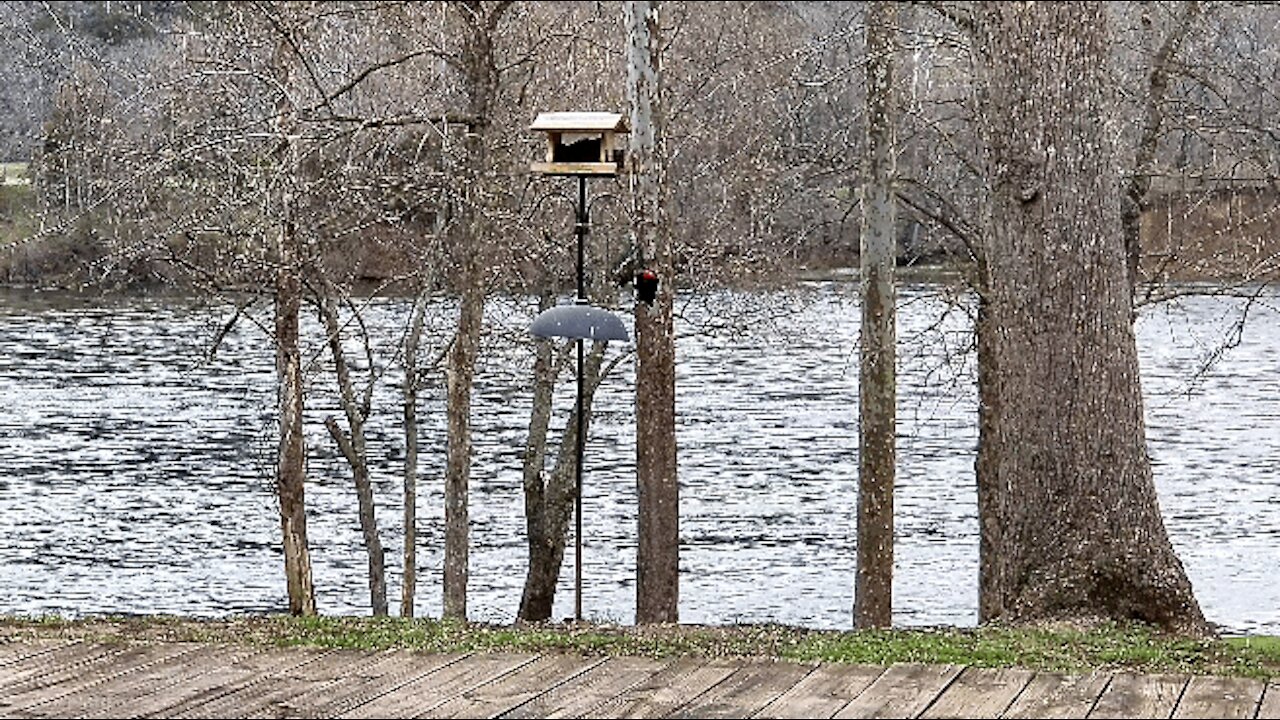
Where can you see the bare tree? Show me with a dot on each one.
(354, 447)
(291, 459)
(1070, 520)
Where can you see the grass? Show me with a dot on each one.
(1064, 649)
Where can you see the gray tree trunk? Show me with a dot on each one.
(412, 341)
(877, 390)
(1062, 462)
(291, 456)
(658, 551)
(354, 448)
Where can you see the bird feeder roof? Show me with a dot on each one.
(580, 122)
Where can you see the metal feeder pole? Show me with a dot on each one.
(580, 229)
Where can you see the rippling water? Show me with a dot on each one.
(135, 470)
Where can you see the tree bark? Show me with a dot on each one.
(877, 391)
(657, 554)
(291, 456)
(1063, 461)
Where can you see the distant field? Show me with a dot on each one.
(14, 174)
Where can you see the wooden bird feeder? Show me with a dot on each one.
(581, 143)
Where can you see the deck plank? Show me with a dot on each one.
(748, 690)
(668, 689)
(294, 691)
(242, 699)
(62, 667)
(212, 673)
(1055, 695)
(823, 692)
(1139, 696)
(423, 694)
(902, 691)
(131, 660)
(583, 693)
(118, 692)
(65, 660)
(509, 691)
(16, 651)
(1220, 697)
(1270, 706)
(980, 693)
(369, 678)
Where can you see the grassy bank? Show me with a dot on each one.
(1134, 648)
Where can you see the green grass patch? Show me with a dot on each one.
(1107, 647)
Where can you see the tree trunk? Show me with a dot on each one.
(461, 376)
(658, 551)
(354, 449)
(1063, 462)
(877, 391)
(544, 564)
(291, 456)
(412, 341)
(549, 503)
(478, 66)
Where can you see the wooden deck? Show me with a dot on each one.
(79, 679)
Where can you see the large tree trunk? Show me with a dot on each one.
(1063, 460)
(658, 551)
(877, 391)
(291, 456)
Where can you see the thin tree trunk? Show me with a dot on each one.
(873, 594)
(461, 373)
(291, 456)
(410, 396)
(354, 449)
(658, 550)
(1080, 530)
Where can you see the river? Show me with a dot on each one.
(135, 469)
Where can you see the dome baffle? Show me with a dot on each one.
(579, 321)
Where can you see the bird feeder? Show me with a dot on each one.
(581, 143)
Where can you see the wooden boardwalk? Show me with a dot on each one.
(188, 680)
